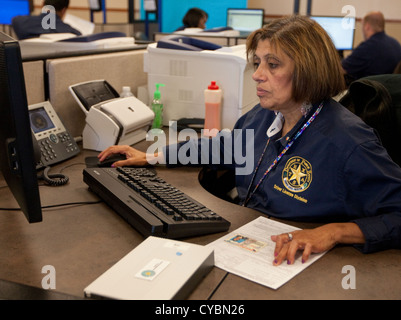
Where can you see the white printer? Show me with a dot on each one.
(186, 66)
(110, 120)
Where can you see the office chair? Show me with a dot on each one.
(220, 183)
(377, 101)
(397, 69)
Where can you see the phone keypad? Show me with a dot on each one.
(46, 148)
(57, 147)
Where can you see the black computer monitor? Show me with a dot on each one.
(341, 30)
(11, 8)
(17, 157)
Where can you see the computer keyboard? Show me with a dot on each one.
(151, 205)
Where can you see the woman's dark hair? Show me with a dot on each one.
(318, 73)
(193, 16)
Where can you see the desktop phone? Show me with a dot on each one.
(54, 141)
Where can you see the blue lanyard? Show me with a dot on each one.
(250, 194)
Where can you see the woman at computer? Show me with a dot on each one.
(194, 18)
(314, 160)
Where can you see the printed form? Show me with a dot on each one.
(249, 252)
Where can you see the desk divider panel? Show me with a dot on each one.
(34, 81)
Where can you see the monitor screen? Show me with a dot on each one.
(12, 8)
(245, 20)
(40, 120)
(17, 157)
(95, 5)
(341, 30)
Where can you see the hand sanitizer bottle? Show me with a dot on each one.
(157, 107)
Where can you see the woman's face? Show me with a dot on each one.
(274, 75)
(202, 23)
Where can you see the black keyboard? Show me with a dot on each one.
(151, 205)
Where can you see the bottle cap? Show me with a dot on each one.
(213, 86)
(126, 92)
(157, 94)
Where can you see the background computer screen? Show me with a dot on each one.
(246, 20)
(341, 30)
(11, 8)
(17, 157)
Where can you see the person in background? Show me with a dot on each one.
(26, 27)
(194, 18)
(378, 54)
(313, 159)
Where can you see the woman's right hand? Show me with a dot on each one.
(134, 156)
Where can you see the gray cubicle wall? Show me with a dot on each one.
(34, 81)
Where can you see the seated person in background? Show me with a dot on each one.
(194, 18)
(26, 27)
(378, 54)
(312, 159)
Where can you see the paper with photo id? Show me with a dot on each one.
(249, 253)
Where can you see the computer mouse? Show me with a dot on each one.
(110, 160)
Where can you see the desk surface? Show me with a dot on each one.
(83, 241)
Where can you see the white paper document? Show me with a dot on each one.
(83, 26)
(249, 253)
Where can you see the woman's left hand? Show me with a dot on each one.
(309, 241)
(316, 240)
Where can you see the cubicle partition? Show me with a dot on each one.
(50, 79)
(34, 74)
(221, 40)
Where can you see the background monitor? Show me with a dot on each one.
(17, 157)
(150, 5)
(95, 5)
(245, 20)
(341, 30)
(11, 8)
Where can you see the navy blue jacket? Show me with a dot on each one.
(380, 54)
(336, 171)
(26, 27)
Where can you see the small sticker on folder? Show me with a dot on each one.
(152, 269)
